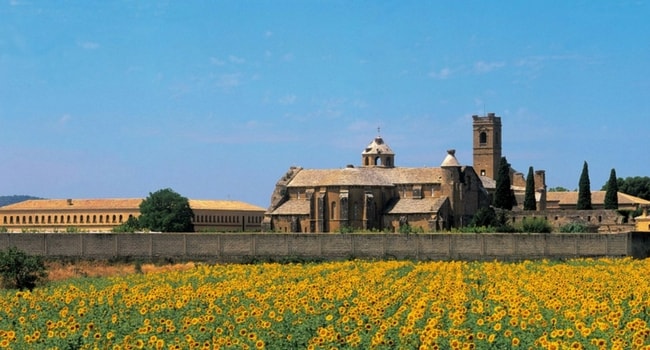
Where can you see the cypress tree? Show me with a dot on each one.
(504, 198)
(529, 197)
(584, 190)
(611, 196)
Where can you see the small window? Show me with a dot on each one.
(483, 172)
(483, 138)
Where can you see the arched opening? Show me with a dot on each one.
(482, 138)
(377, 161)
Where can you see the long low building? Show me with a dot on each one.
(102, 215)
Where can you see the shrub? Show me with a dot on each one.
(20, 270)
(574, 227)
(536, 225)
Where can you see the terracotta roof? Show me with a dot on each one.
(293, 207)
(223, 205)
(120, 203)
(365, 177)
(417, 206)
(597, 197)
(75, 204)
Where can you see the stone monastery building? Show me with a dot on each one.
(378, 195)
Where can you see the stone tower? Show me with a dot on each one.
(487, 144)
(378, 154)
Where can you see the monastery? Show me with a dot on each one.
(102, 215)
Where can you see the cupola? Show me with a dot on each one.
(378, 154)
(450, 160)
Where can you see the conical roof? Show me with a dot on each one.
(450, 159)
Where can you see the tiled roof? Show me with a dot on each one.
(75, 204)
(417, 206)
(365, 177)
(223, 205)
(120, 203)
(293, 207)
(597, 197)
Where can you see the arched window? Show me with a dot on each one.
(74, 219)
(81, 219)
(36, 219)
(377, 160)
(4, 220)
(114, 218)
(94, 219)
(120, 218)
(49, 219)
(482, 138)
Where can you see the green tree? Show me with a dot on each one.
(638, 186)
(529, 198)
(504, 198)
(558, 189)
(611, 194)
(584, 190)
(132, 224)
(20, 270)
(166, 211)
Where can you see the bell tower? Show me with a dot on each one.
(487, 144)
(378, 154)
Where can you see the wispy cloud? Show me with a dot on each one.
(482, 67)
(88, 45)
(236, 60)
(443, 73)
(65, 119)
(227, 81)
(287, 99)
(217, 61)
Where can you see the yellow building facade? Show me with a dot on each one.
(102, 215)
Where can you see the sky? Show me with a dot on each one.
(217, 99)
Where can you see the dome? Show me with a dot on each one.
(377, 146)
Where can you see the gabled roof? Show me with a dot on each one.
(597, 197)
(222, 205)
(120, 204)
(76, 204)
(293, 207)
(417, 206)
(386, 177)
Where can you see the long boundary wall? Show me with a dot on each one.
(245, 247)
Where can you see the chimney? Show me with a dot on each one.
(69, 201)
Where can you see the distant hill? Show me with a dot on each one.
(6, 200)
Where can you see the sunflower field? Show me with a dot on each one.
(575, 304)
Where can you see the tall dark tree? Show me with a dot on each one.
(584, 190)
(504, 198)
(611, 194)
(529, 198)
(166, 211)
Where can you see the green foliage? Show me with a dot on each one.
(131, 225)
(529, 198)
(574, 227)
(488, 220)
(346, 229)
(611, 194)
(485, 217)
(584, 190)
(72, 229)
(558, 189)
(3, 229)
(19, 270)
(536, 225)
(638, 186)
(166, 211)
(408, 229)
(504, 198)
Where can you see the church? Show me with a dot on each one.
(378, 195)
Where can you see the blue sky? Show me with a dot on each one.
(217, 99)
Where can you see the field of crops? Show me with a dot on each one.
(578, 304)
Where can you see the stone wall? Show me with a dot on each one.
(243, 247)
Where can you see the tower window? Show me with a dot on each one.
(482, 138)
(483, 172)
